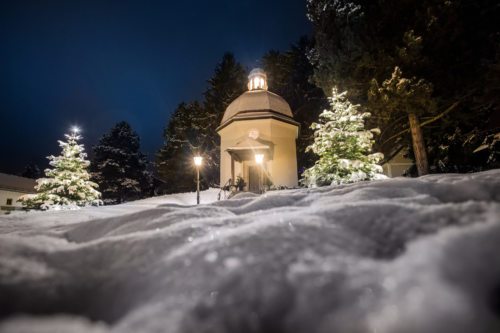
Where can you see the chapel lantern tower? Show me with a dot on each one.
(257, 80)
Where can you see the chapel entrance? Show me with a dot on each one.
(253, 179)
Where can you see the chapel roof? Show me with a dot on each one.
(257, 101)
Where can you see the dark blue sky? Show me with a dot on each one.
(94, 63)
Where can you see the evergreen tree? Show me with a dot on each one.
(399, 96)
(68, 183)
(343, 146)
(183, 135)
(453, 45)
(119, 167)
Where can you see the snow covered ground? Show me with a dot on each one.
(400, 255)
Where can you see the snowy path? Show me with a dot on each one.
(402, 255)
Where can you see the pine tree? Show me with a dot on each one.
(119, 167)
(452, 44)
(67, 184)
(343, 146)
(183, 137)
(228, 82)
(411, 98)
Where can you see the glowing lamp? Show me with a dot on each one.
(259, 158)
(257, 80)
(198, 160)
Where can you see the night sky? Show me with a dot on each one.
(94, 63)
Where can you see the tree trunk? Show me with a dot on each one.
(418, 145)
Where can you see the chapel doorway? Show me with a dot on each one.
(253, 179)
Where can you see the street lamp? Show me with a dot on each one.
(197, 162)
(75, 129)
(259, 159)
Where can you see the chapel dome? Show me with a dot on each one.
(257, 100)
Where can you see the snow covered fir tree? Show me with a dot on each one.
(67, 184)
(119, 167)
(343, 146)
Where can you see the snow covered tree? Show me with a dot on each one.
(452, 44)
(174, 161)
(411, 97)
(67, 184)
(119, 167)
(343, 146)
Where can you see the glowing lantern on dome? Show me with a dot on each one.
(257, 80)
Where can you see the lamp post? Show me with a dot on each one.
(259, 159)
(197, 162)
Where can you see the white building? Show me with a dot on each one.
(11, 188)
(258, 136)
(398, 165)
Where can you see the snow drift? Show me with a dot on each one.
(401, 255)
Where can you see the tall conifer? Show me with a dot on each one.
(119, 167)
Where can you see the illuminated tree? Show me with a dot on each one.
(67, 184)
(343, 145)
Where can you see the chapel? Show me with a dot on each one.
(258, 135)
